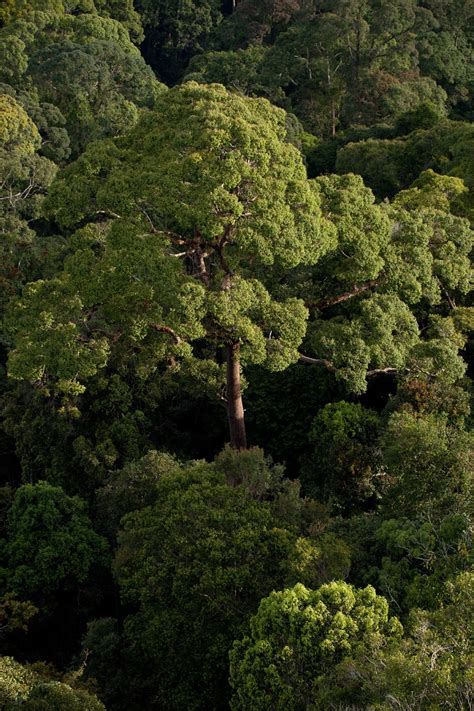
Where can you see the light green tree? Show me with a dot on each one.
(298, 639)
(22, 687)
(190, 220)
(368, 296)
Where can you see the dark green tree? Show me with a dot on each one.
(194, 565)
(430, 464)
(50, 544)
(432, 667)
(390, 165)
(84, 65)
(175, 30)
(345, 464)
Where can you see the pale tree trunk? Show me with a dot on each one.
(235, 407)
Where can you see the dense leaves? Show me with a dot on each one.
(22, 687)
(194, 559)
(297, 640)
(272, 250)
(50, 544)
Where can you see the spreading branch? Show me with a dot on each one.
(345, 296)
(381, 371)
(219, 248)
(332, 368)
(169, 331)
(318, 361)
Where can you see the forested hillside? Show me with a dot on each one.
(236, 449)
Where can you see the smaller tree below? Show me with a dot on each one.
(297, 640)
(50, 544)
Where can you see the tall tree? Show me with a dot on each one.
(191, 220)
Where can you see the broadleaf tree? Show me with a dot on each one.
(182, 228)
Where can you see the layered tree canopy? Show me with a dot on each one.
(236, 350)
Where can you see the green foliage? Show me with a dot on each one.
(15, 614)
(344, 467)
(77, 449)
(298, 639)
(384, 331)
(49, 121)
(425, 396)
(56, 696)
(184, 257)
(281, 406)
(251, 470)
(207, 552)
(25, 174)
(432, 667)
(196, 174)
(389, 165)
(377, 161)
(18, 133)
(124, 11)
(84, 66)
(335, 65)
(430, 464)
(368, 295)
(426, 115)
(340, 64)
(240, 70)
(50, 544)
(15, 680)
(132, 488)
(23, 688)
(420, 556)
(175, 29)
(363, 232)
(436, 241)
(256, 22)
(419, 103)
(14, 10)
(97, 85)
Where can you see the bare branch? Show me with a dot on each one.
(332, 368)
(169, 331)
(318, 361)
(381, 371)
(355, 291)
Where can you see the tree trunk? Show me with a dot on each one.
(235, 407)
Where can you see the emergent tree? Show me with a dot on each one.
(183, 229)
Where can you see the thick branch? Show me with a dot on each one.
(166, 329)
(381, 371)
(318, 361)
(200, 257)
(355, 291)
(225, 239)
(332, 368)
